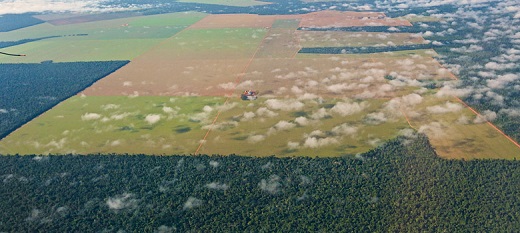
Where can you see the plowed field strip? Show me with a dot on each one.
(228, 96)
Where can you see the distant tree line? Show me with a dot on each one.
(401, 186)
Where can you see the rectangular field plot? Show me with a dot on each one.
(330, 19)
(313, 39)
(279, 43)
(456, 132)
(157, 77)
(147, 125)
(235, 21)
(229, 43)
(291, 127)
(79, 50)
(155, 26)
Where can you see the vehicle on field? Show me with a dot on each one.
(249, 95)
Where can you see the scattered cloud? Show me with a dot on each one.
(123, 201)
(445, 108)
(90, 116)
(271, 185)
(348, 108)
(217, 186)
(284, 105)
(152, 118)
(191, 203)
(485, 116)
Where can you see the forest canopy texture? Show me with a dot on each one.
(400, 187)
(28, 90)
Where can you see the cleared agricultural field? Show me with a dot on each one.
(79, 50)
(116, 124)
(119, 39)
(311, 39)
(456, 132)
(180, 95)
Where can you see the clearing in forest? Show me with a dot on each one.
(181, 95)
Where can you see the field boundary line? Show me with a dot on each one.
(232, 90)
(407, 119)
(489, 123)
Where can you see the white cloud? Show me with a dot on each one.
(217, 186)
(502, 81)
(122, 201)
(263, 111)
(433, 129)
(280, 126)
(271, 185)
(486, 115)
(316, 142)
(191, 203)
(152, 118)
(348, 108)
(256, 138)
(319, 114)
(344, 129)
(285, 105)
(214, 163)
(90, 116)
(446, 108)
(302, 121)
(375, 118)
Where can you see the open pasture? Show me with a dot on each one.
(153, 26)
(79, 50)
(116, 124)
(291, 127)
(219, 44)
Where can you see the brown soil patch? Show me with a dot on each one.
(311, 39)
(326, 19)
(170, 78)
(235, 21)
(279, 43)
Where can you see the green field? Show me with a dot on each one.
(116, 125)
(228, 43)
(454, 133)
(79, 50)
(176, 125)
(119, 39)
(154, 26)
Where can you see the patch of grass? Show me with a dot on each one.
(114, 124)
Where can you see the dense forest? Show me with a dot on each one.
(401, 186)
(11, 22)
(28, 90)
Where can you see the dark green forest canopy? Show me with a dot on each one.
(11, 22)
(27, 90)
(400, 187)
